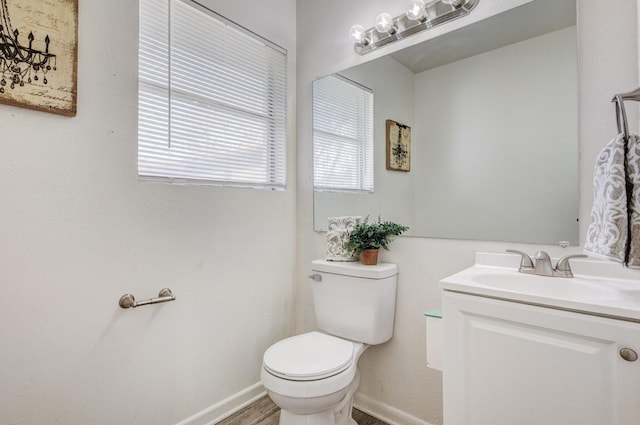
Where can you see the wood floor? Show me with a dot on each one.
(264, 412)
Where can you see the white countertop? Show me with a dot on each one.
(598, 287)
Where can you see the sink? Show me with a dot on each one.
(599, 287)
(549, 287)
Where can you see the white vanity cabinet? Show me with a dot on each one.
(510, 363)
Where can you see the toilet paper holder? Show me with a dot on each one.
(129, 301)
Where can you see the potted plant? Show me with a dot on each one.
(366, 239)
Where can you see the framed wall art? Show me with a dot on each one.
(398, 146)
(39, 54)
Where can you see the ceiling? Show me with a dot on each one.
(521, 23)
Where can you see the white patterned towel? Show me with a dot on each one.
(614, 231)
(633, 174)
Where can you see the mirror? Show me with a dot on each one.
(493, 110)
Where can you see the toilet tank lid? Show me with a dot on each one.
(355, 269)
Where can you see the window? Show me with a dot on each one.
(211, 99)
(342, 136)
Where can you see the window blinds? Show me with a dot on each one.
(212, 99)
(342, 135)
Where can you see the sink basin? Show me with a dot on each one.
(599, 287)
(545, 286)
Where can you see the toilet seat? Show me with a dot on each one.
(309, 357)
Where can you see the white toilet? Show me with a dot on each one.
(312, 377)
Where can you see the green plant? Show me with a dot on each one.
(366, 235)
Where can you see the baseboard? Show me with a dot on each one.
(384, 412)
(227, 407)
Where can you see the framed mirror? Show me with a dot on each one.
(491, 110)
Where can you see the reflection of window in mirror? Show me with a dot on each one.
(342, 135)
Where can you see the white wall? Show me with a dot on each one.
(78, 230)
(395, 380)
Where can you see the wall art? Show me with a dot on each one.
(398, 146)
(39, 54)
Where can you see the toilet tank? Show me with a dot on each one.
(353, 301)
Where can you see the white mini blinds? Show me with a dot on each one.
(211, 99)
(342, 136)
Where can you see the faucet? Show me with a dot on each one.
(543, 265)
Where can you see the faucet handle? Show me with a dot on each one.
(563, 268)
(525, 263)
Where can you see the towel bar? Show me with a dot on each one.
(129, 301)
(621, 114)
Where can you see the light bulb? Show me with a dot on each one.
(448, 1)
(384, 24)
(415, 10)
(358, 34)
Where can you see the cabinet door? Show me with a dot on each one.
(514, 364)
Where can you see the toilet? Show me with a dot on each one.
(312, 377)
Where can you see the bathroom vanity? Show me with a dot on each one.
(525, 349)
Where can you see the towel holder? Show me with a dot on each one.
(621, 114)
(129, 301)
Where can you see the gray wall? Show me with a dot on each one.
(496, 143)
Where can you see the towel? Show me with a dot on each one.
(614, 231)
(633, 175)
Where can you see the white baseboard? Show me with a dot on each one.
(384, 412)
(227, 407)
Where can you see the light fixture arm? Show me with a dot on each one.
(436, 13)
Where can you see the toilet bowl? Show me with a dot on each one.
(312, 377)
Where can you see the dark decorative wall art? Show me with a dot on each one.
(39, 54)
(398, 146)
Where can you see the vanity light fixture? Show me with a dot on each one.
(416, 11)
(385, 24)
(358, 34)
(420, 15)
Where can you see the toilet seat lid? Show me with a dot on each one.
(308, 357)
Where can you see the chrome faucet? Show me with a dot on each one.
(543, 265)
